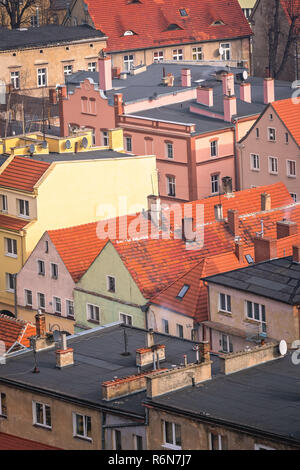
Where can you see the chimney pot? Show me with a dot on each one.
(105, 73)
(245, 92)
(269, 95)
(239, 251)
(64, 357)
(229, 107)
(233, 222)
(264, 249)
(285, 228)
(186, 78)
(40, 321)
(296, 253)
(265, 201)
(228, 83)
(205, 96)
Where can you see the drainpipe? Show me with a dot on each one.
(236, 173)
(103, 421)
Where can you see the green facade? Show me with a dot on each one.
(93, 289)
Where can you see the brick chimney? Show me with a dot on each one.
(64, 356)
(105, 73)
(204, 351)
(228, 83)
(62, 91)
(269, 95)
(285, 228)
(205, 96)
(116, 72)
(296, 253)
(245, 92)
(233, 222)
(40, 323)
(188, 235)
(239, 251)
(186, 77)
(264, 249)
(118, 106)
(52, 96)
(227, 184)
(265, 202)
(155, 210)
(229, 107)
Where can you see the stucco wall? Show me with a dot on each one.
(157, 313)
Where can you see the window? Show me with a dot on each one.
(4, 205)
(128, 62)
(3, 406)
(92, 67)
(247, 12)
(54, 271)
(128, 144)
(214, 179)
(271, 134)
(179, 330)
(82, 426)
(273, 165)
(138, 442)
(197, 53)
(41, 267)
(70, 308)
(225, 51)
(105, 138)
(68, 69)
(41, 301)
(15, 80)
(42, 77)
(158, 56)
(224, 303)
(257, 132)
(11, 247)
(226, 344)
(128, 33)
(117, 440)
(214, 148)
(172, 435)
(93, 313)
(34, 21)
(177, 54)
(257, 312)
(271, 117)
(46, 246)
(249, 259)
(111, 284)
(294, 196)
(291, 168)
(10, 282)
(254, 161)
(56, 305)
(169, 149)
(28, 298)
(183, 12)
(217, 442)
(127, 319)
(171, 186)
(183, 291)
(23, 208)
(84, 104)
(165, 326)
(286, 138)
(41, 414)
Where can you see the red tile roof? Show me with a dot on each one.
(22, 173)
(10, 442)
(14, 331)
(292, 9)
(289, 113)
(12, 223)
(149, 20)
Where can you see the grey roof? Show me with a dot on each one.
(98, 358)
(277, 279)
(89, 155)
(148, 85)
(44, 35)
(264, 398)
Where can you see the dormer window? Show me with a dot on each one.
(217, 22)
(173, 27)
(183, 12)
(128, 33)
(183, 291)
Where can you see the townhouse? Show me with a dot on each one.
(36, 59)
(193, 130)
(39, 192)
(270, 151)
(143, 32)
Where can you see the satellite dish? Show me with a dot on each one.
(44, 144)
(68, 144)
(283, 347)
(84, 142)
(245, 75)
(31, 148)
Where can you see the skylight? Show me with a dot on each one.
(128, 33)
(249, 259)
(217, 22)
(183, 291)
(183, 12)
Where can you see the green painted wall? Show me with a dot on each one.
(108, 263)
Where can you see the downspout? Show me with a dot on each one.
(236, 173)
(103, 421)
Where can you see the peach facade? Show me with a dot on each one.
(157, 315)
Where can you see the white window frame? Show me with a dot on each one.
(128, 143)
(4, 203)
(197, 53)
(108, 277)
(34, 415)
(158, 56)
(2, 394)
(41, 263)
(75, 434)
(126, 317)
(177, 54)
(227, 302)
(226, 55)
(254, 162)
(165, 323)
(68, 69)
(92, 66)
(11, 247)
(170, 150)
(270, 161)
(288, 167)
(228, 342)
(172, 445)
(128, 61)
(23, 208)
(178, 327)
(294, 196)
(42, 77)
(214, 148)
(39, 296)
(15, 79)
(89, 317)
(214, 183)
(53, 275)
(171, 186)
(261, 311)
(26, 292)
(69, 303)
(56, 302)
(105, 138)
(271, 133)
(211, 441)
(9, 279)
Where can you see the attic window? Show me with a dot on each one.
(249, 259)
(183, 12)
(217, 22)
(183, 291)
(173, 27)
(128, 33)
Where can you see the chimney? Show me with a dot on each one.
(186, 77)
(265, 201)
(227, 184)
(118, 106)
(268, 90)
(218, 211)
(170, 79)
(228, 83)
(105, 75)
(154, 208)
(296, 253)
(205, 96)
(144, 356)
(229, 107)
(204, 350)
(62, 91)
(239, 251)
(150, 338)
(264, 249)
(285, 228)
(40, 323)
(64, 356)
(233, 222)
(52, 96)
(116, 72)
(245, 92)
(187, 229)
